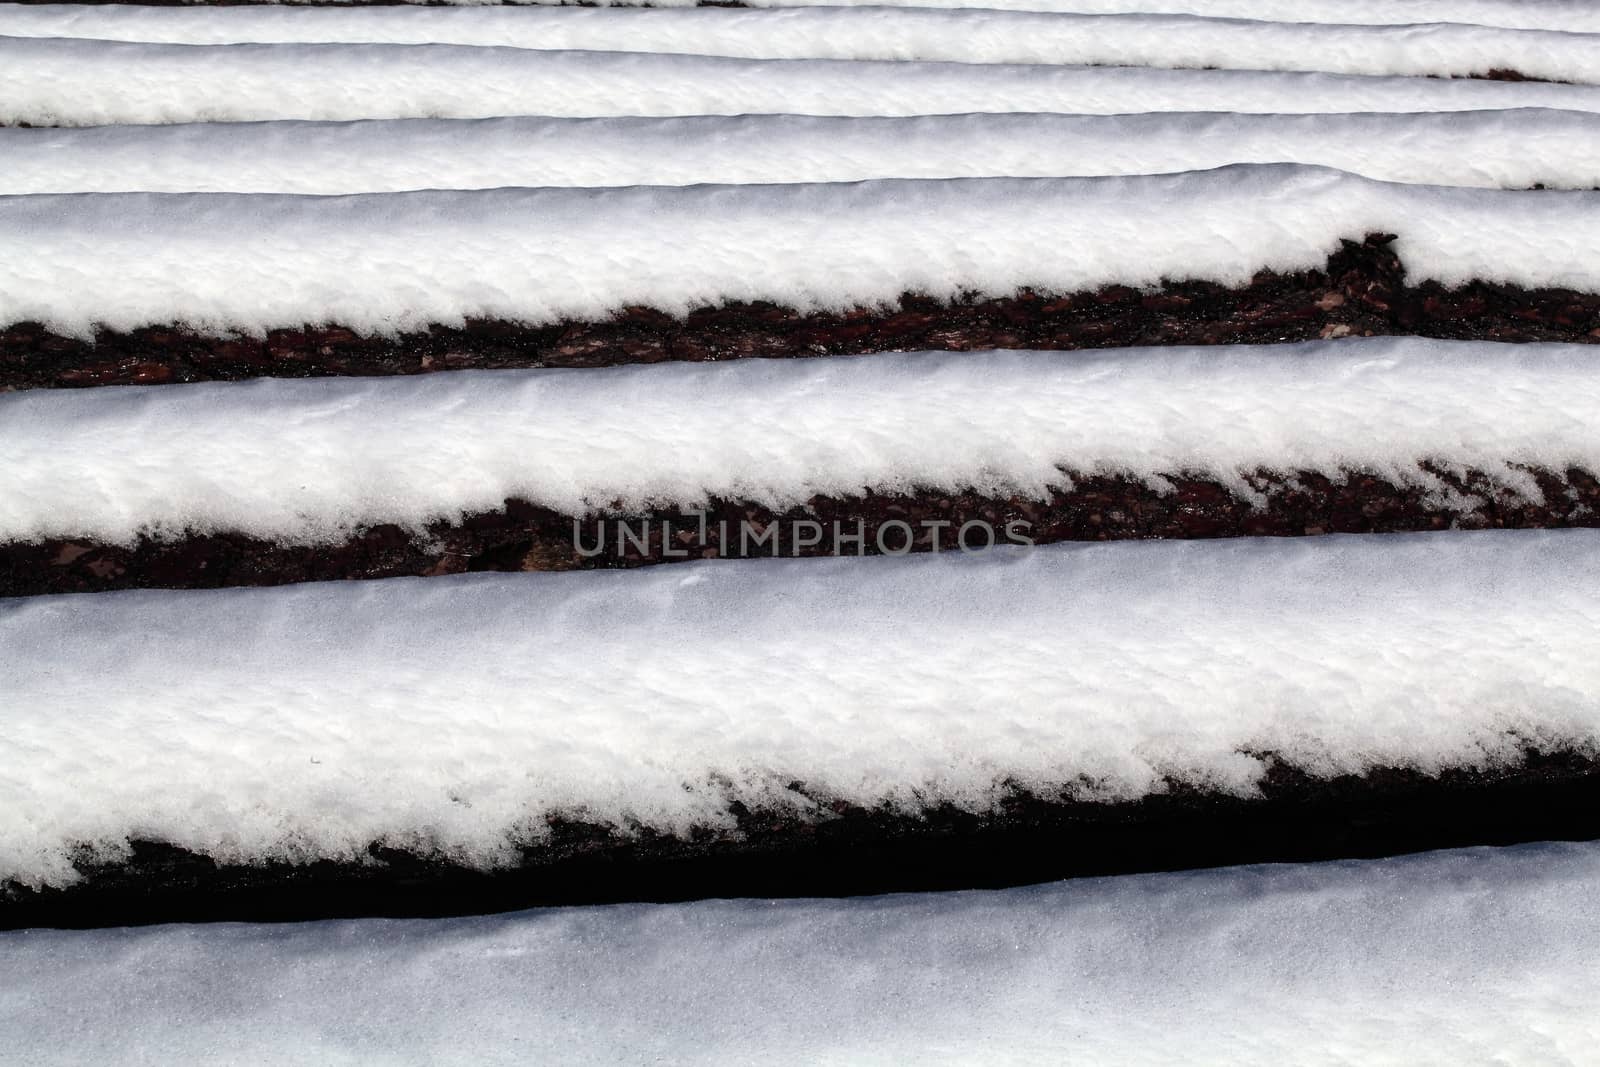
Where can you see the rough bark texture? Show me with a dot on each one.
(850, 850)
(523, 537)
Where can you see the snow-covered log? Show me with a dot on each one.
(955, 35)
(1350, 435)
(1514, 149)
(778, 707)
(1578, 16)
(345, 453)
(46, 81)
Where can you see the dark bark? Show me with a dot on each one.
(523, 537)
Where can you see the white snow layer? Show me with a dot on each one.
(1576, 16)
(67, 82)
(964, 36)
(1471, 957)
(394, 261)
(311, 461)
(453, 714)
(1510, 149)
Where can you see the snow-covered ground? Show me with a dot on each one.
(310, 461)
(48, 81)
(1510, 149)
(395, 261)
(1473, 957)
(954, 35)
(452, 714)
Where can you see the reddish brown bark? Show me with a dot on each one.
(1360, 292)
(520, 536)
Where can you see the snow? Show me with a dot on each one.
(452, 714)
(1571, 15)
(965, 36)
(1511, 149)
(1469, 957)
(397, 261)
(1578, 16)
(45, 81)
(312, 461)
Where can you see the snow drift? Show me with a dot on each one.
(961, 36)
(1517, 148)
(1576, 16)
(64, 82)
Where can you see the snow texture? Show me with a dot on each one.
(313, 461)
(1510, 149)
(398, 261)
(1482, 956)
(452, 714)
(962, 36)
(1575, 16)
(66, 82)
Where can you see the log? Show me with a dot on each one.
(526, 537)
(1028, 839)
